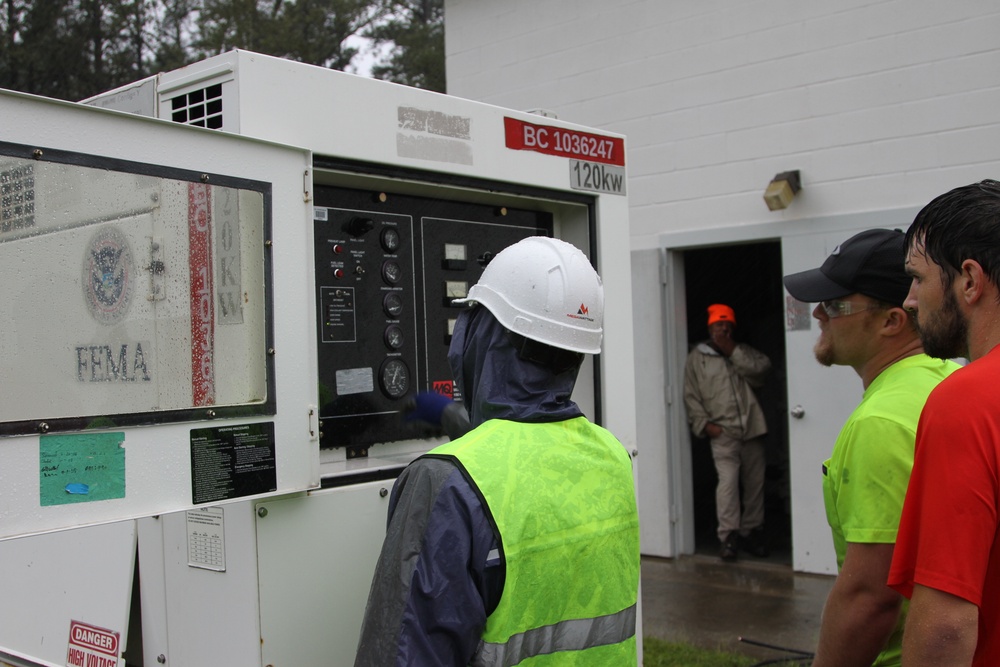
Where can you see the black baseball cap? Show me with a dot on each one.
(869, 263)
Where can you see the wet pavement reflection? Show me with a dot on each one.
(703, 601)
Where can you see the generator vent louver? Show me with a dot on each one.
(199, 107)
(17, 198)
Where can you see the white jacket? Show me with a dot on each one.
(718, 389)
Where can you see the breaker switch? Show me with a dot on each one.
(358, 226)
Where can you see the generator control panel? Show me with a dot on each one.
(388, 270)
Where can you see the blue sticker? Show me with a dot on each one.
(77, 487)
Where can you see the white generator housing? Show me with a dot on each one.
(353, 213)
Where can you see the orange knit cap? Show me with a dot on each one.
(719, 312)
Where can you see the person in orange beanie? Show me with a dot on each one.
(719, 380)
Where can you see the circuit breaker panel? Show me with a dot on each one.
(388, 269)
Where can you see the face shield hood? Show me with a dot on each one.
(496, 383)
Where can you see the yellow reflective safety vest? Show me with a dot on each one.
(562, 499)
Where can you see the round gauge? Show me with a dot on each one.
(394, 377)
(394, 337)
(390, 239)
(392, 304)
(391, 272)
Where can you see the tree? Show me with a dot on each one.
(11, 21)
(64, 66)
(316, 31)
(71, 49)
(231, 24)
(74, 49)
(415, 29)
(309, 31)
(174, 27)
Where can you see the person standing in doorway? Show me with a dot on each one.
(947, 558)
(719, 380)
(859, 292)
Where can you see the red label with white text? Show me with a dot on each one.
(524, 136)
(202, 303)
(91, 646)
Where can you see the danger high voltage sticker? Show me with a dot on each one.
(91, 646)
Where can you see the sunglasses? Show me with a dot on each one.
(836, 308)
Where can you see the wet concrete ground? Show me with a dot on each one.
(704, 601)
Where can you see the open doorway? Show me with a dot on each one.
(747, 277)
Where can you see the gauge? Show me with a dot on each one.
(456, 289)
(394, 377)
(390, 239)
(454, 257)
(394, 337)
(454, 251)
(392, 304)
(391, 272)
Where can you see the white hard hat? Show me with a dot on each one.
(545, 289)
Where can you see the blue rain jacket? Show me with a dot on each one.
(440, 574)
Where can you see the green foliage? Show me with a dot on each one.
(658, 653)
(73, 49)
(56, 45)
(416, 29)
(315, 31)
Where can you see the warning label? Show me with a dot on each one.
(90, 646)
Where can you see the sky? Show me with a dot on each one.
(367, 55)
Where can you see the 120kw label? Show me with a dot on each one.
(596, 177)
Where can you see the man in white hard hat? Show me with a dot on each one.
(519, 539)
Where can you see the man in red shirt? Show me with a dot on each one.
(947, 555)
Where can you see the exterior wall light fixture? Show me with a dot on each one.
(782, 189)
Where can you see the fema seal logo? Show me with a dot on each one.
(108, 275)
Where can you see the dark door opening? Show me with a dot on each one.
(748, 278)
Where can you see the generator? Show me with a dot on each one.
(225, 283)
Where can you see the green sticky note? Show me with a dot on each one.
(81, 468)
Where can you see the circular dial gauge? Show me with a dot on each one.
(390, 239)
(391, 272)
(392, 304)
(394, 376)
(394, 337)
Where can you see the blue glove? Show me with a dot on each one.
(426, 406)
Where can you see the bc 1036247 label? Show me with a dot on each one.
(523, 136)
(596, 177)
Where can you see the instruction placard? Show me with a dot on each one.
(81, 468)
(206, 537)
(232, 461)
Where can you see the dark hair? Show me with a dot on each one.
(961, 224)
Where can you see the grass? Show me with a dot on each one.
(659, 653)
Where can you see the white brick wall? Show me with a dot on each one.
(880, 103)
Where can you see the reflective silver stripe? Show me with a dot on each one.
(574, 635)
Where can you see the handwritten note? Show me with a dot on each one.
(81, 468)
